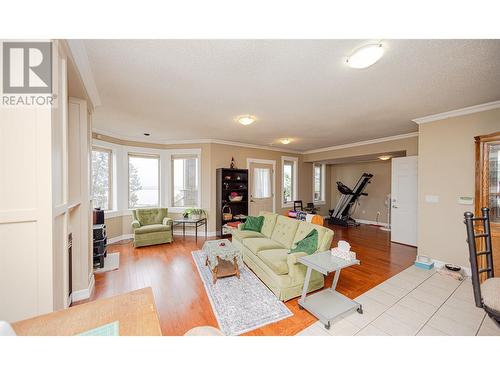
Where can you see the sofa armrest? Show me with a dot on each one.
(167, 221)
(293, 258)
(136, 224)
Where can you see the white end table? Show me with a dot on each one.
(327, 304)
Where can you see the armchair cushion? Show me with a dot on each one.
(153, 228)
(148, 216)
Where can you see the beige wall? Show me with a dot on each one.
(446, 169)
(377, 190)
(409, 145)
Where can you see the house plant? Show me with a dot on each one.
(194, 213)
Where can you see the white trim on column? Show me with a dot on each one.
(82, 294)
(458, 112)
(295, 181)
(263, 161)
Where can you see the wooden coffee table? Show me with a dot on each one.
(223, 258)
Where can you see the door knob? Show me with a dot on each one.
(394, 206)
(251, 200)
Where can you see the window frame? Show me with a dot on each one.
(295, 177)
(145, 156)
(321, 200)
(110, 175)
(177, 156)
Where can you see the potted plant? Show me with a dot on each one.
(194, 213)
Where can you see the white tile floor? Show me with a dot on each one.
(414, 302)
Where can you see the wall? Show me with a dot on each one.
(377, 190)
(409, 144)
(446, 169)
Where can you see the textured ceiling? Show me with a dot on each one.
(299, 89)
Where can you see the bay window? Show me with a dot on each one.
(101, 178)
(143, 180)
(185, 181)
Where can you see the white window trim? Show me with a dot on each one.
(120, 175)
(322, 201)
(110, 175)
(188, 152)
(294, 182)
(264, 161)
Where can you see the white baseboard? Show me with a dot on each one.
(120, 238)
(79, 295)
(362, 221)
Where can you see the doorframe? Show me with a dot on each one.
(264, 161)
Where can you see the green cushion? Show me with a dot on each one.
(284, 231)
(307, 245)
(242, 234)
(269, 223)
(148, 216)
(305, 228)
(253, 223)
(276, 260)
(152, 228)
(258, 244)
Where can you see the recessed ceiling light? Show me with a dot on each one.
(285, 141)
(385, 157)
(246, 119)
(365, 56)
(147, 134)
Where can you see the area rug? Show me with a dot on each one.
(111, 263)
(240, 305)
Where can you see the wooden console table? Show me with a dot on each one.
(135, 311)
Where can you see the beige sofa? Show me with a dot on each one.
(266, 253)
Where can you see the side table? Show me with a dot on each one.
(327, 304)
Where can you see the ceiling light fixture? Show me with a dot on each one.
(385, 157)
(365, 56)
(286, 141)
(246, 119)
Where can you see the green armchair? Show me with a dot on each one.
(151, 226)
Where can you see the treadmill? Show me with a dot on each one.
(341, 215)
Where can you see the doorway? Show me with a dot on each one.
(262, 187)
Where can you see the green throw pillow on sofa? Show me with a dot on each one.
(253, 223)
(308, 244)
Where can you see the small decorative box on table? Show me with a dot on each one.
(223, 258)
(327, 304)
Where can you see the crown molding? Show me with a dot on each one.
(81, 59)
(363, 143)
(161, 141)
(458, 112)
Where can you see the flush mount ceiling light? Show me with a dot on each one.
(286, 141)
(246, 119)
(365, 56)
(384, 157)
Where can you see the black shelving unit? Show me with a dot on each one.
(228, 181)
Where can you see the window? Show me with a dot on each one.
(185, 172)
(289, 190)
(101, 178)
(143, 180)
(262, 183)
(319, 183)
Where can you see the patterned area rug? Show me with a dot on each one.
(240, 305)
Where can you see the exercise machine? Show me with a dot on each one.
(341, 215)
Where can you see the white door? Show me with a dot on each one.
(261, 181)
(404, 200)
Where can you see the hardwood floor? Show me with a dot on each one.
(183, 303)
